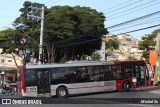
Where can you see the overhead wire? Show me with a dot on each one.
(53, 2)
(124, 6)
(134, 20)
(117, 5)
(78, 43)
(48, 1)
(139, 24)
(131, 8)
(93, 39)
(133, 11)
(41, 1)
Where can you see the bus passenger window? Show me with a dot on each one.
(142, 71)
(30, 78)
(59, 75)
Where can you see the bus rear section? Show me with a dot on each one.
(34, 83)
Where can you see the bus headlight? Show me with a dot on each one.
(134, 79)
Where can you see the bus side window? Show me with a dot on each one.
(59, 75)
(137, 75)
(142, 71)
(30, 78)
(116, 72)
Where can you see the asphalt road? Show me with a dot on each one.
(147, 97)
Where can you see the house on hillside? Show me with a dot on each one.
(128, 47)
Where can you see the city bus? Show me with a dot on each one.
(77, 77)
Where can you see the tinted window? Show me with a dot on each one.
(30, 78)
(128, 70)
(59, 75)
(108, 74)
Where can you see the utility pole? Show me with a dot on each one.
(41, 38)
(102, 51)
(38, 14)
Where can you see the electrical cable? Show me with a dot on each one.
(54, 2)
(131, 8)
(139, 24)
(117, 5)
(134, 11)
(124, 7)
(133, 20)
(77, 43)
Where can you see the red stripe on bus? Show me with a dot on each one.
(91, 86)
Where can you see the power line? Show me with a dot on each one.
(78, 37)
(134, 11)
(117, 5)
(143, 23)
(131, 8)
(54, 2)
(143, 28)
(133, 20)
(41, 1)
(78, 43)
(48, 1)
(124, 6)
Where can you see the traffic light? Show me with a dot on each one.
(17, 40)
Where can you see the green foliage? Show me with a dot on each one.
(131, 58)
(95, 56)
(63, 59)
(8, 40)
(70, 25)
(112, 44)
(148, 43)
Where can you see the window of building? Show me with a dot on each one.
(9, 60)
(2, 60)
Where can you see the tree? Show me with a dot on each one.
(68, 31)
(95, 56)
(7, 38)
(112, 44)
(73, 27)
(148, 42)
(69, 25)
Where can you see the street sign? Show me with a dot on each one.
(23, 40)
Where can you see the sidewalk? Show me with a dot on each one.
(147, 88)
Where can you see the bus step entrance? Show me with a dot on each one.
(44, 95)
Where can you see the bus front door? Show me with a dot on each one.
(43, 82)
(140, 75)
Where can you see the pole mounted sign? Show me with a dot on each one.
(23, 41)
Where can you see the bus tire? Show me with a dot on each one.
(61, 92)
(126, 86)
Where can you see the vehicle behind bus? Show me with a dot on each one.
(77, 77)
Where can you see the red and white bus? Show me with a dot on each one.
(77, 77)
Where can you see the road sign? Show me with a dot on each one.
(23, 40)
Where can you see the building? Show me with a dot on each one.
(128, 47)
(8, 68)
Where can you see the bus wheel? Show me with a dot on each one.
(62, 92)
(126, 86)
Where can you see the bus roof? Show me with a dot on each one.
(78, 63)
(129, 61)
(70, 64)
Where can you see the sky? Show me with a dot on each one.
(115, 11)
